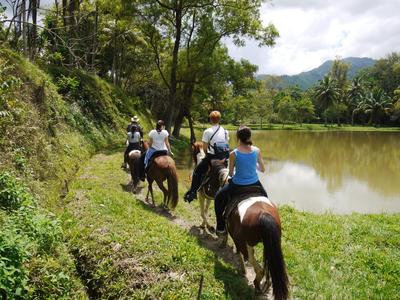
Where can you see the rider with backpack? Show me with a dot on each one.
(216, 145)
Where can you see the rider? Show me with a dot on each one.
(245, 160)
(133, 141)
(158, 143)
(135, 122)
(216, 145)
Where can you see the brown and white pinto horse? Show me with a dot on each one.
(204, 197)
(252, 221)
(163, 168)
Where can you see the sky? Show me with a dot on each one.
(313, 31)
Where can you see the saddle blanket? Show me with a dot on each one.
(245, 204)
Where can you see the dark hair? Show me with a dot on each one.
(244, 135)
(134, 128)
(160, 124)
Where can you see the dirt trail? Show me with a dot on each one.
(207, 240)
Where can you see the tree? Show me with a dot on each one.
(262, 105)
(304, 110)
(355, 95)
(376, 104)
(286, 110)
(326, 94)
(185, 22)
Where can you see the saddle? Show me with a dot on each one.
(210, 182)
(154, 156)
(239, 194)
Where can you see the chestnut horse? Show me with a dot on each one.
(203, 195)
(163, 168)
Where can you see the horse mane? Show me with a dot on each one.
(220, 169)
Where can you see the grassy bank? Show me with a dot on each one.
(129, 251)
(316, 127)
(51, 121)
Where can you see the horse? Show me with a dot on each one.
(254, 219)
(160, 169)
(204, 194)
(133, 161)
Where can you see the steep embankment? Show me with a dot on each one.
(49, 125)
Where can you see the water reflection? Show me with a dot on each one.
(341, 172)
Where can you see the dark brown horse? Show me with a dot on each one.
(255, 219)
(163, 168)
(134, 165)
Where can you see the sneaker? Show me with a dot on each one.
(189, 196)
(221, 233)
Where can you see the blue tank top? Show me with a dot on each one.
(245, 167)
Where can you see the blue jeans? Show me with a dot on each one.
(222, 197)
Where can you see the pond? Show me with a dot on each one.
(328, 171)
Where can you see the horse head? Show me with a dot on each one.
(197, 152)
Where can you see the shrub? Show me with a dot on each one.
(12, 194)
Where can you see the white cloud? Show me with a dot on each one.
(313, 31)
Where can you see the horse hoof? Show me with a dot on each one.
(211, 229)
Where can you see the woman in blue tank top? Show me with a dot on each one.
(244, 160)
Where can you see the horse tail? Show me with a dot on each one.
(273, 256)
(172, 178)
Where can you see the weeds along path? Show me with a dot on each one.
(126, 249)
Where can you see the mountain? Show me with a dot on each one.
(306, 79)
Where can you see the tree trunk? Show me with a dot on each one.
(184, 107)
(33, 41)
(64, 12)
(24, 27)
(192, 133)
(169, 114)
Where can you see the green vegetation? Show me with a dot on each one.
(126, 250)
(34, 262)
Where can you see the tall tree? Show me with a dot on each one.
(326, 94)
(181, 21)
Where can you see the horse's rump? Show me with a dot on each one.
(240, 194)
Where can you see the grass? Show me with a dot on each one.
(328, 256)
(127, 251)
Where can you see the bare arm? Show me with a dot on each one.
(205, 147)
(232, 158)
(168, 145)
(150, 142)
(260, 162)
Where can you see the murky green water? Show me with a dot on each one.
(341, 172)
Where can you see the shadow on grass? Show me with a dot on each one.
(235, 285)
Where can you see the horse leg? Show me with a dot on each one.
(202, 199)
(257, 268)
(210, 228)
(150, 190)
(165, 193)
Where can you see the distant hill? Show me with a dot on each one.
(306, 79)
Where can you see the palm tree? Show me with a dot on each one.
(326, 93)
(376, 103)
(354, 96)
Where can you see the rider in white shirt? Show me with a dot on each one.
(216, 146)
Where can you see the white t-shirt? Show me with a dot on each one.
(159, 139)
(134, 138)
(222, 136)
